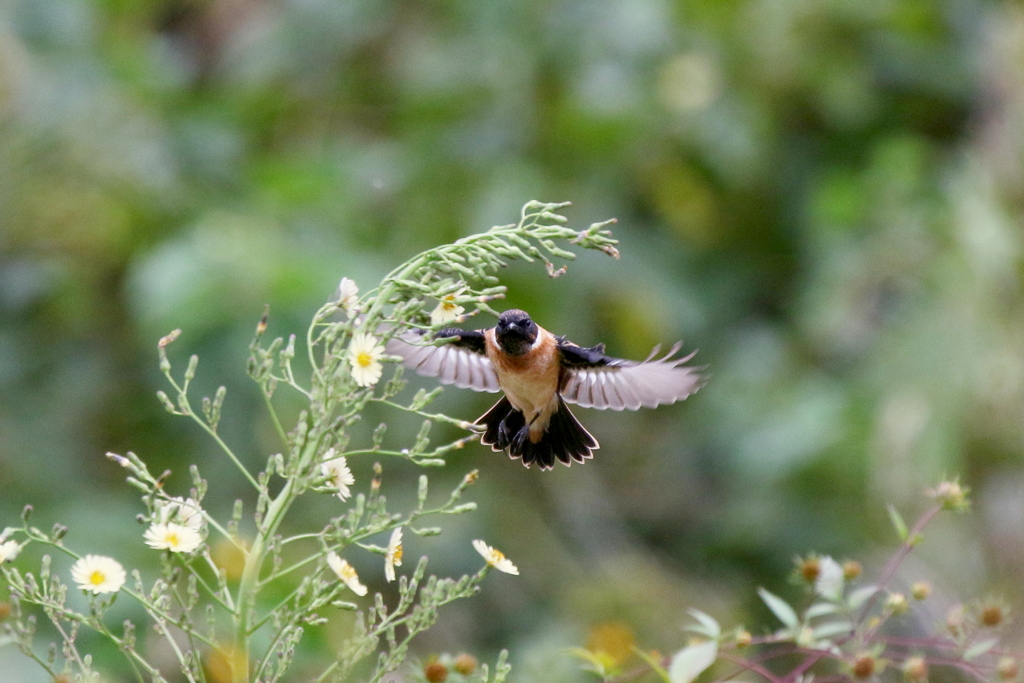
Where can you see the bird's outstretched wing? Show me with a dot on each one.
(593, 380)
(460, 362)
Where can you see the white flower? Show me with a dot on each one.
(178, 510)
(8, 551)
(831, 578)
(495, 558)
(177, 538)
(346, 573)
(393, 555)
(348, 299)
(446, 309)
(335, 468)
(364, 355)
(98, 574)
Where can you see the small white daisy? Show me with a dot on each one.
(348, 297)
(346, 573)
(446, 309)
(364, 355)
(178, 510)
(98, 574)
(495, 558)
(393, 555)
(335, 468)
(177, 538)
(8, 551)
(831, 579)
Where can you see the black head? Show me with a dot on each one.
(515, 332)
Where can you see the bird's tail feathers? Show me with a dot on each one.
(565, 439)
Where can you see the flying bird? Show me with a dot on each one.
(539, 373)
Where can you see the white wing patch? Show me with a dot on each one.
(624, 384)
(448, 363)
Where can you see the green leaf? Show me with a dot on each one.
(708, 626)
(980, 648)
(860, 596)
(780, 608)
(691, 661)
(820, 609)
(652, 662)
(897, 522)
(833, 628)
(595, 662)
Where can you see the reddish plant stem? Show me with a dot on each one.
(887, 573)
(748, 665)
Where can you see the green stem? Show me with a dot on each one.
(270, 613)
(187, 407)
(213, 594)
(278, 427)
(249, 584)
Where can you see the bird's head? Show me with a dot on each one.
(515, 332)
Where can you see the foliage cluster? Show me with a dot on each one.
(203, 613)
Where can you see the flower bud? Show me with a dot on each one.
(950, 495)
(921, 590)
(915, 669)
(168, 338)
(1008, 668)
(119, 459)
(465, 664)
(955, 621)
(897, 603)
(743, 639)
(852, 570)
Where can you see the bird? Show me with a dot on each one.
(539, 373)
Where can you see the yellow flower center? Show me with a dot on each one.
(396, 556)
(97, 577)
(364, 359)
(173, 539)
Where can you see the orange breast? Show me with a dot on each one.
(531, 380)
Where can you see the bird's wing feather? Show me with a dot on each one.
(460, 362)
(593, 380)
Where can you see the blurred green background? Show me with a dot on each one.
(824, 196)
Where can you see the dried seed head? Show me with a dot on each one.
(993, 614)
(864, 666)
(436, 672)
(808, 568)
